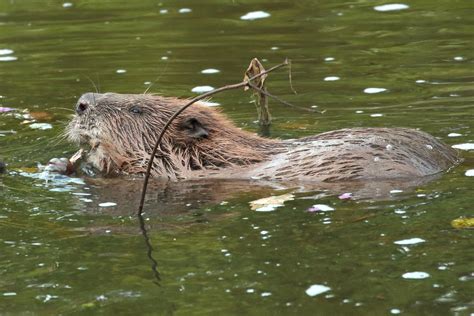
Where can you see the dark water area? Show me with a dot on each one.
(75, 246)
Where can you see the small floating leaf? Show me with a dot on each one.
(463, 223)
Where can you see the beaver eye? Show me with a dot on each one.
(135, 110)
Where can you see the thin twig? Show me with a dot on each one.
(184, 107)
(268, 94)
(290, 78)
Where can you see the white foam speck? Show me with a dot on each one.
(254, 15)
(67, 4)
(208, 103)
(107, 204)
(395, 311)
(391, 7)
(202, 89)
(8, 58)
(263, 232)
(164, 58)
(9, 294)
(469, 173)
(185, 10)
(120, 71)
(329, 59)
(321, 208)
(250, 291)
(331, 78)
(359, 111)
(317, 289)
(265, 294)
(267, 208)
(411, 241)
(458, 58)
(465, 146)
(420, 81)
(454, 135)
(6, 51)
(374, 90)
(395, 191)
(275, 48)
(163, 11)
(210, 71)
(41, 126)
(376, 115)
(416, 275)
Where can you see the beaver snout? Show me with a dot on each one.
(85, 102)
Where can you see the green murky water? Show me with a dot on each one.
(62, 253)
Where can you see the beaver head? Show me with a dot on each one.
(121, 130)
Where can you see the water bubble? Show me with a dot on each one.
(163, 11)
(185, 10)
(458, 58)
(329, 59)
(420, 81)
(9, 294)
(391, 7)
(254, 15)
(265, 294)
(395, 311)
(469, 173)
(454, 135)
(395, 191)
(67, 4)
(376, 115)
(250, 291)
(121, 71)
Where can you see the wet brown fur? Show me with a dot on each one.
(121, 141)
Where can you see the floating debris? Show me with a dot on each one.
(254, 15)
(41, 126)
(465, 146)
(320, 208)
(345, 196)
(5, 109)
(391, 7)
(317, 289)
(202, 89)
(374, 90)
(410, 241)
(331, 78)
(462, 223)
(416, 275)
(6, 51)
(8, 58)
(270, 203)
(469, 173)
(107, 204)
(210, 71)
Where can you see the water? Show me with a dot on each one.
(65, 247)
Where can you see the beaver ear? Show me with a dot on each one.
(195, 128)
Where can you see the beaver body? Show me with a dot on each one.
(120, 131)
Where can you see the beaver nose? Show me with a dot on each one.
(81, 107)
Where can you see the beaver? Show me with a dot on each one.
(119, 132)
